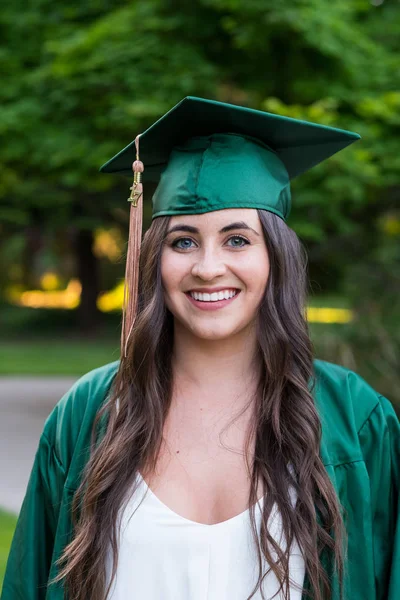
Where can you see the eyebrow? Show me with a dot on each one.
(231, 227)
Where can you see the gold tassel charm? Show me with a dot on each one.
(130, 302)
(137, 187)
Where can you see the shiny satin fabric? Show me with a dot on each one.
(222, 171)
(360, 449)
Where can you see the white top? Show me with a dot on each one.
(164, 556)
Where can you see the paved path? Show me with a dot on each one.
(25, 403)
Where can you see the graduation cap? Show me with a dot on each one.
(206, 155)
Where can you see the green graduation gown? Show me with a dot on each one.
(360, 449)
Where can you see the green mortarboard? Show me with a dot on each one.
(206, 155)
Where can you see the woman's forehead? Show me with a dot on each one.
(218, 219)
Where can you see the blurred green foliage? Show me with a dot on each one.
(79, 81)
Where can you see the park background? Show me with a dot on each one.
(80, 80)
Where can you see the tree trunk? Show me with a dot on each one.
(87, 271)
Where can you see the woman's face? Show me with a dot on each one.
(214, 269)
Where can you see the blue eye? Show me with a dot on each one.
(185, 245)
(238, 238)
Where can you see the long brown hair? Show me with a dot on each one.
(286, 429)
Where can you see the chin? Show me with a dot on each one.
(212, 335)
(213, 331)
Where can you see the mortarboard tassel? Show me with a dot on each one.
(133, 254)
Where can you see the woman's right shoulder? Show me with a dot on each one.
(69, 425)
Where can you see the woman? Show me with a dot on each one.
(217, 459)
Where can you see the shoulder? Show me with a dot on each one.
(69, 425)
(341, 390)
(347, 404)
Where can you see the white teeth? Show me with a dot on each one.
(214, 297)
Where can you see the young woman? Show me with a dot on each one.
(218, 459)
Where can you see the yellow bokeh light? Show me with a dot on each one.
(108, 243)
(49, 281)
(329, 315)
(112, 300)
(68, 298)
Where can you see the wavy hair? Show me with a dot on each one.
(285, 426)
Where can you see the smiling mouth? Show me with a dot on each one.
(227, 294)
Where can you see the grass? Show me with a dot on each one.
(49, 342)
(7, 526)
(55, 357)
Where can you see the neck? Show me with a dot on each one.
(208, 370)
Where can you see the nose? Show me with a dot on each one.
(208, 266)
